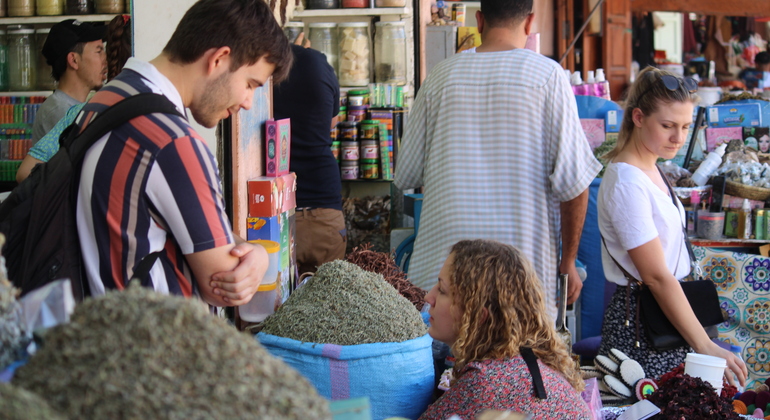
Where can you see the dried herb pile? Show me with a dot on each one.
(682, 396)
(346, 305)
(383, 263)
(19, 404)
(139, 354)
(12, 335)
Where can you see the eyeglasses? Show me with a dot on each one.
(672, 83)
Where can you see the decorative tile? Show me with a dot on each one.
(757, 316)
(722, 271)
(757, 351)
(756, 275)
(733, 315)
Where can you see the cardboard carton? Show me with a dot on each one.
(270, 196)
(278, 145)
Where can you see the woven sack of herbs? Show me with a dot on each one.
(353, 335)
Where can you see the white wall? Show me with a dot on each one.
(154, 22)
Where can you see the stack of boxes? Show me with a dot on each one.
(599, 130)
(272, 202)
(743, 122)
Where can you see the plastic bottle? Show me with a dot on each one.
(602, 85)
(744, 220)
(577, 84)
(708, 166)
(590, 83)
(736, 350)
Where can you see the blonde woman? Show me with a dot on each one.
(642, 228)
(488, 306)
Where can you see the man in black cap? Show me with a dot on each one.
(75, 52)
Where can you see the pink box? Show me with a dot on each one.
(719, 135)
(592, 398)
(594, 129)
(277, 146)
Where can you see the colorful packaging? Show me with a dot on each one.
(278, 144)
(717, 136)
(758, 138)
(270, 196)
(759, 224)
(280, 229)
(594, 129)
(613, 120)
(734, 115)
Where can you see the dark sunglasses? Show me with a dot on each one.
(672, 83)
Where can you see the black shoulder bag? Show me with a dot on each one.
(701, 295)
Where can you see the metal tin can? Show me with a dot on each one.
(368, 129)
(349, 170)
(369, 149)
(347, 131)
(370, 171)
(458, 13)
(349, 151)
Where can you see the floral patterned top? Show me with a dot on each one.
(506, 384)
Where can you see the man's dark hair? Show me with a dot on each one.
(248, 27)
(505, 12)
(60, 65)
(762, 58)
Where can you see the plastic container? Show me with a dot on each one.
(744, 221)
(348, 131)
(358, 97)
(709, 368)
(578, 87)
(710, 224)
(262, 304)
(357, 113)
(336, 146)
(390, 53)
(354, 4)
(109, 6)
(349, 170)
(21, 7)
(323, 4)
(708, 166)
(80, 7)
(3, 61)
(369, 129)
(49, 7)
(44, 80)
(22, 59)
(370, 150)
(736, 350)
(293, 29)
(602, 85)
(349, 151)
(370, 170)
(458, 13)
(355, 52)
(590, 83)
(323, 37)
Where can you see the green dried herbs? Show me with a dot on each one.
(139, 354)
(346, 305)
(19, 404)
(12, 335)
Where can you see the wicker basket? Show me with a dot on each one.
(747, 191)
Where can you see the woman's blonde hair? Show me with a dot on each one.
(647, 94)
(498, 278)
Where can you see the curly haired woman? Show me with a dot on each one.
(489, 307)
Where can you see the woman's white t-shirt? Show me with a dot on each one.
(634, 211)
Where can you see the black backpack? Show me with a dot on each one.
(38, 218)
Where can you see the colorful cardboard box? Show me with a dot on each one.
(734, 115)
(281, 229)
(269, 196)
(717, 136)
(594, 129)
(613, 120)
(278, 146)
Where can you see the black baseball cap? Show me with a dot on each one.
(66, 34)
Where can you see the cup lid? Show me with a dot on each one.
(270, 246)
(267, 287)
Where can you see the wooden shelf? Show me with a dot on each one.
(377, 11)
(31, 20)
(44, 93)
(729, 242)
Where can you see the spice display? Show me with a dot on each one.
(344, 304)
(12, 334)
(367, 219)
(354, 54)
(19, 404)
(384, 264)
(140, 354)
(685, 397)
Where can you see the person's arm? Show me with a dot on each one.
(411, 156)
(26, 167)
(573, 216)
(650, 261)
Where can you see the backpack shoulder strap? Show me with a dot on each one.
(111, 118)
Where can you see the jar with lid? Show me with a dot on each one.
(21, 7)
(323, 4)
(348, 4)
(22, 58)
(355, 52)
(50, 7)
(3, 8)
(323, 37)
(44, 80)
(80, 7)
(390, 53)
(390, 3)
(3, 61)
(109, 6)
(349, 170)
(293, 29)
(348, 131)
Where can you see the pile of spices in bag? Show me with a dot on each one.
(13, 337)
(139, 354)
(19, 404)
(383, 263)
(344, 304)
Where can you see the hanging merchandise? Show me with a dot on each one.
(21, 7)
(355, 50)
(3, 61)
(109, 6)
(323, 37)
(50, 7)
(22, 54)
(390, 53)
(80, 7)
(44, 80)
(293, 29)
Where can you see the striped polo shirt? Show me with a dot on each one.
(150, 185)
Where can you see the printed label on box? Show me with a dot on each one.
(272, 196)
(735, 115)
(594, 130)
(716, 136)
(277, 147)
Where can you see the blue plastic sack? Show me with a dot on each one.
(397, 377)
(594, 107)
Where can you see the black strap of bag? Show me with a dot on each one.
(697, 274)
(534, 370)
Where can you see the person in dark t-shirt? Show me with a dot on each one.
(310, 97)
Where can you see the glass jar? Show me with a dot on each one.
(323, 37)
(50, 7)
(293, 29)
(44, 79)
(80, 7)
(3, 8)
(109, 6)
(390, 53)
(3, 61)
(22, 56)
(355, 52)
(323, 4)
(21, 7)
(346, 4)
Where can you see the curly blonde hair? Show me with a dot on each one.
(497, 277)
